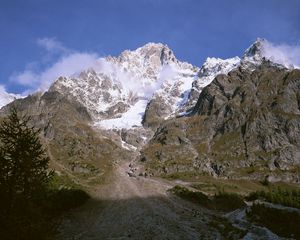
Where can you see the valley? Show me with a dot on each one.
(138, 207)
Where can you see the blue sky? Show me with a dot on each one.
(194, 29)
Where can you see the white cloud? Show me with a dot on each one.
(132, 82)
(26, 78)
(284, 54)
(68, 63)
(66, 66)
(52, 45)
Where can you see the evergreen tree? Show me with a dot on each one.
(23, 161)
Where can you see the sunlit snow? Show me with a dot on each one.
(133, 117)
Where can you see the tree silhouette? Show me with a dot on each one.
(30, 200)
(23, 161)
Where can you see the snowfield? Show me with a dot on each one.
(132, 118)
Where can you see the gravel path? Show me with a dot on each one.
(136, 208)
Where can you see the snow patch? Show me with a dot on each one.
(132, 118)
(6, 98)
(128, 146)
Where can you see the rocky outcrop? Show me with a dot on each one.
(74, 147)
(245, 124)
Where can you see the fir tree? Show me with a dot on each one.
(23, 161)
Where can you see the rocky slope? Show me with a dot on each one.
(76, 150)
(245, 124)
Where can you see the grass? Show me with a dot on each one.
(64, 194)
(285, 197)
(184, 175)
(39, 217)
(228, 201)
(283, 223)
(211, 185)
(222, 201)
(227, 195)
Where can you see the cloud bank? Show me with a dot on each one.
(51, 44)
(287, 55)
(71, 63)
(132, 82)
(67, 63)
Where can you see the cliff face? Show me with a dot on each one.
(76, 150)
(244, 124)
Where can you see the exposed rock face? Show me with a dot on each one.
(74, 147)
(115, 84)
(209, 70)
(246, 123)
(97, 92)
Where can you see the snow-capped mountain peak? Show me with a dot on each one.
(213, 66)
(6, 98)
(209, 70)
(262, 50)
(256, 50)
(117, 91)
(117, 86)
(146, 61)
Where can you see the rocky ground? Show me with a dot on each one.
(137, 207)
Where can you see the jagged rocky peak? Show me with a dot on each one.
(256, 50)
(214, 66)
(146, 61)
(96, 91)
(6, 98)
(149, 76)
(157, 51)
(115, 84)
(261, 51)
(209, 70)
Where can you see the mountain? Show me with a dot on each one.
(6, 98)
(126, 83)
(232, 118)
(244, 125)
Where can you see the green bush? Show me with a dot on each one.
(285, 197)
(63, 200)
(196, 197)
(228, 201)
(283, 223)
(221, 201)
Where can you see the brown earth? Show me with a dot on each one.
(137, 208)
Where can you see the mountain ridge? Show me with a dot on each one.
(178, 118)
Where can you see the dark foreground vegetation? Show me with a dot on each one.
(285, 197)
(221, 201)
(282, 221)
(32, 196)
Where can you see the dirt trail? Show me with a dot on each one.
(136, 208)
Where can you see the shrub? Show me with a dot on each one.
(283, 223)
(285, 197)
(220, 202)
